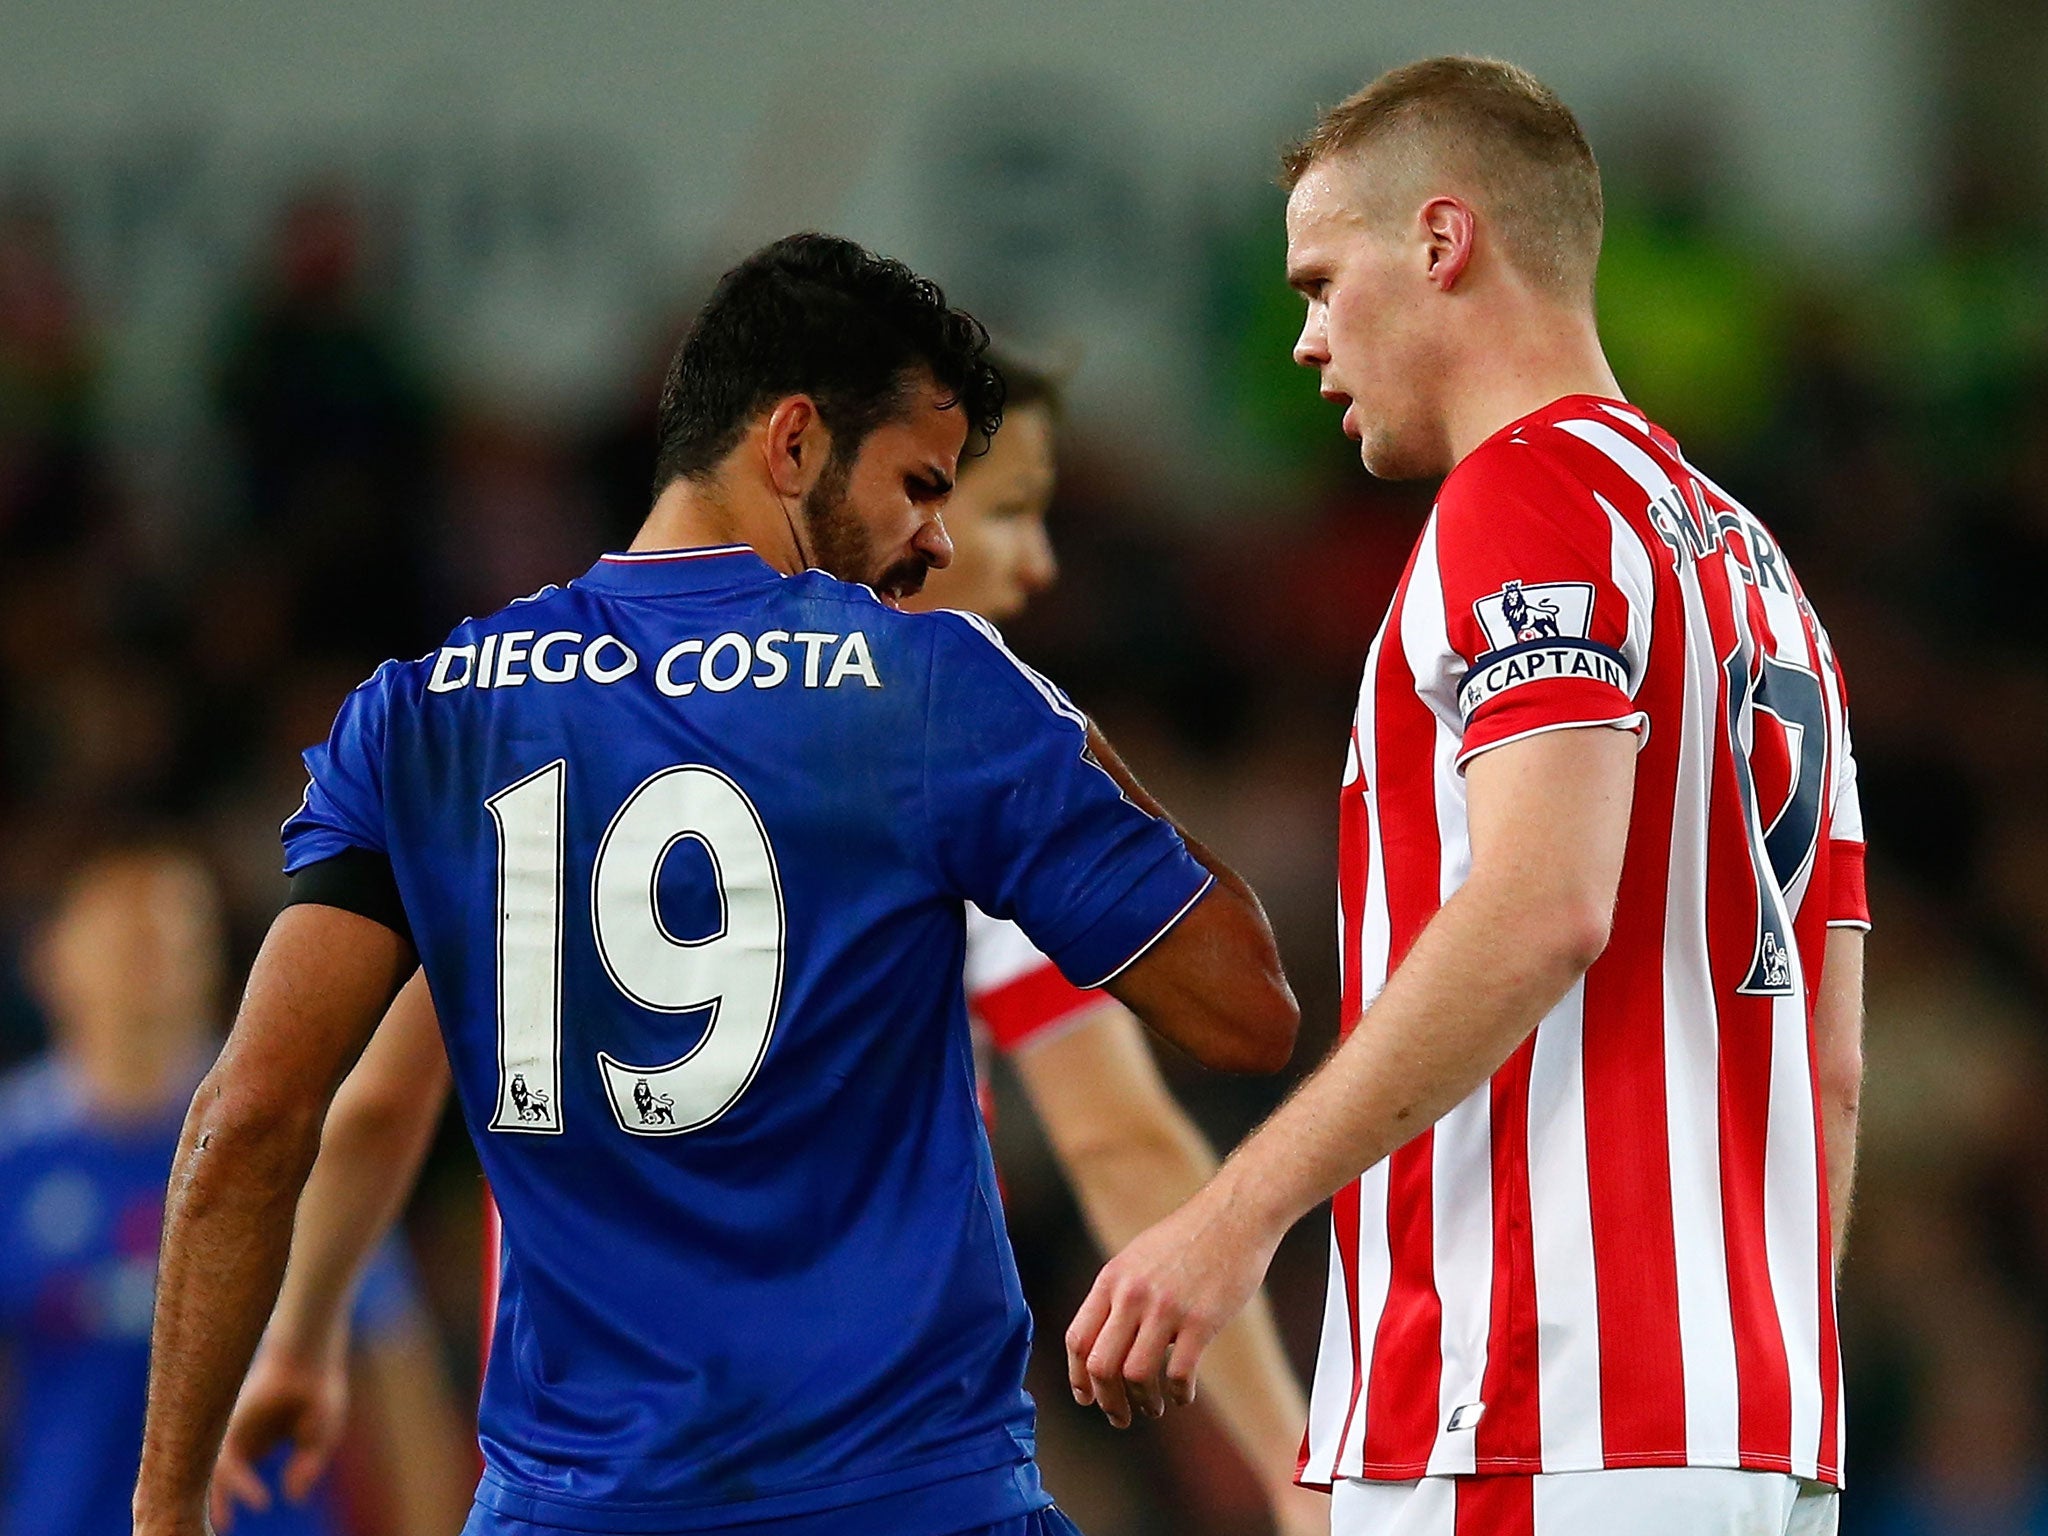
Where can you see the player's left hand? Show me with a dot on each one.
(289, 1397)
(1138, 1339)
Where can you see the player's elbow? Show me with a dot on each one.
(1257, 1036)
(1840, 1069)
(242, 1126)
(1578, 932)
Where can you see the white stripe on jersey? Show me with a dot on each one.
(1561, 1234)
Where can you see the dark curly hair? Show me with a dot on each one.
(819, 316)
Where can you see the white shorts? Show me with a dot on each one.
(1626, 1501)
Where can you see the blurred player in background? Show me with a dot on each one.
(1592, 1128)
(128, 971)
(764, 1281)
(1128, 1147)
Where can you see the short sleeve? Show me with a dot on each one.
(1848, 894)
(1546, 600)
(1018, 994)
(1028, 827)
(344, 802)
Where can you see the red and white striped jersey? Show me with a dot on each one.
(1616, 1252)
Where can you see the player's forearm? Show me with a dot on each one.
(227, 1230)
(1838, 1044)
(320, 983)
(1838, 1127)
(375, 1138)
(1479, 978)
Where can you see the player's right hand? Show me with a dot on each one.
(1137, 1342)
(288, 1398)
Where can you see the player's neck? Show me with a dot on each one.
(1544, 354)
(698, 514)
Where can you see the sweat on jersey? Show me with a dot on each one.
(685, 847)
(1616, 1252)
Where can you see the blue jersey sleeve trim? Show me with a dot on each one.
(1146, 948)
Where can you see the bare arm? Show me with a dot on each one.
(1838, 1041)
(371, 1148)
(421, 1443)
(1213, 985)
(323, 979)
(1133, 1156)
(1549, 820)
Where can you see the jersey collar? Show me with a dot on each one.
(664, 572)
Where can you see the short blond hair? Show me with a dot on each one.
(1504, 131)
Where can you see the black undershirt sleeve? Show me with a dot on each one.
(355, 880)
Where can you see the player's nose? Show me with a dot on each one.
(933, 542)
(1311, 348)
(1039, 567)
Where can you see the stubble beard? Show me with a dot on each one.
(841, 544)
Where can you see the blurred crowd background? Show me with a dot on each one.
(286, 390)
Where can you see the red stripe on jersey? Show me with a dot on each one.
(1407, 1364)
(1495, 1506)
(487, 1322)
(1401, 1406)
(1020, 1010)
(1510, 1435)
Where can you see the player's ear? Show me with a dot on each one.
(1448, 232)
(795, 443)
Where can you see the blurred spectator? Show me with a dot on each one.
(332, 429)
(128, 966)
(50, 495)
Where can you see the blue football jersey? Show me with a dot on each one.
(81, 1206)
(685, 847)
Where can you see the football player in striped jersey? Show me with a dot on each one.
(1591, 1126)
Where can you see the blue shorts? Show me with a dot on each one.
(1043, 1522)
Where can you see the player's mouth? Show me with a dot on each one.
(1350, 422)
(901, 582)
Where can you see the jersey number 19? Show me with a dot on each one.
(735, 971)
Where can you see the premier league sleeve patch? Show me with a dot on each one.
(1551, 610)
(1538, 633)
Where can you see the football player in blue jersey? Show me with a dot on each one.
(127, 966)
(683, 849)
(1126, 1145)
